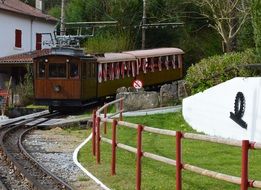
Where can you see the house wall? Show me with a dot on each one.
(9, 22)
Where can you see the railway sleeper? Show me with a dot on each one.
(4, 157)
(11, 164)
(29, 183)
(17, 172)
(22, 176)
(11, 171)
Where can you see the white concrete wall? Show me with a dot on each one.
(209, 111)
(41, 27)
(9, 22)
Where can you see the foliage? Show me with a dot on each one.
(217, 69)
(195, 37)
(191, 37)
(245, 38)
(25, 88)
(256, 15)
(226, 17)
(47, 4)
(55, 11)
(108, 42)
(91, 10)
(32, 106)
(156, 175)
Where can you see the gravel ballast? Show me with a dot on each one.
(54, 149)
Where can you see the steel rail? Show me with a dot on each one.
(18, 167)
(39, 165)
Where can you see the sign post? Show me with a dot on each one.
(138, 84)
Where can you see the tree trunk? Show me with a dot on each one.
(228, 46)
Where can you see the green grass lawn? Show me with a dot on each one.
(156, 175)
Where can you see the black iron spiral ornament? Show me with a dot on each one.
(239, 110)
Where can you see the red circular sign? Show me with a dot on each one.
(138, 84)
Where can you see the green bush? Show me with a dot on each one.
(25, 89)
(217, 69)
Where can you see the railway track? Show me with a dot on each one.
(19, 170)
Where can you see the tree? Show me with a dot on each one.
(256, 15)
(226, 17)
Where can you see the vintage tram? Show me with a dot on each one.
(67, 77)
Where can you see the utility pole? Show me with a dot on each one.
(143, 26)
(62, 29)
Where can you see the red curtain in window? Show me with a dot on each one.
(18, 38)
(38, 41)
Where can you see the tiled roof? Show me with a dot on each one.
(24, 57)
(19, 7)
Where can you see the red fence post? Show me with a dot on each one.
(121, 108)
(93, 132)
(244, 171)
(114, 145)
(139, 155)
(178, 161)
(98, 139)
(105, 123)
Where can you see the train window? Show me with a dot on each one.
(133, 65)
(151, 64)
(100, 72)
(165, 61)
(117, 70)
(57, 70)
(122, 66)
(142, 65)
(84, 72)
(160, 63)
(127, 68)
(74, 70)
(180, 61)
(172, 59)
(41, 70)
(111, 71)
(104, 72)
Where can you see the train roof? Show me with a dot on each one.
(154, 52)
(133, 55)
(115, 57)
(67, 51)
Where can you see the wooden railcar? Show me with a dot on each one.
(69, 78)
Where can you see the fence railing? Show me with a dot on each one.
(97, 118)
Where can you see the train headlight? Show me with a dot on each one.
(57, 88)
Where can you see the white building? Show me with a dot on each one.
(23, 28)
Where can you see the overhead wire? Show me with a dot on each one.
(101, 11)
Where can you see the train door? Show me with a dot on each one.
(89, 80)
(40, 79)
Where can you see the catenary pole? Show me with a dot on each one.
(62, 30)
(143, 27)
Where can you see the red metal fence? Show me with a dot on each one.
(245, 145)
